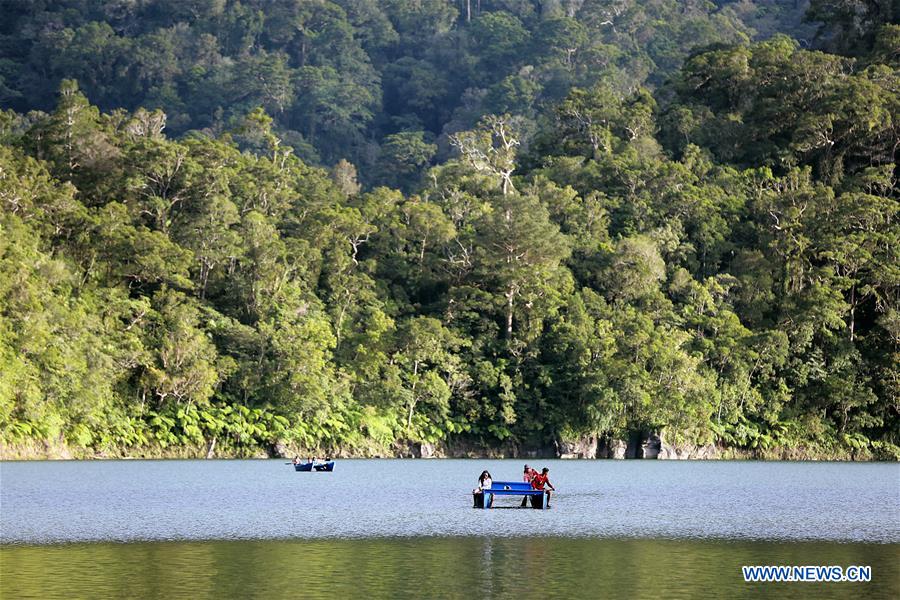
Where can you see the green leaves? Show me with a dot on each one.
(403, 156)
(716, 257)
(182, 370)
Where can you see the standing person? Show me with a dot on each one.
(527, 476)
(543, 479)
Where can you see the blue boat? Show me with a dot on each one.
(485, 499)
(316, 466)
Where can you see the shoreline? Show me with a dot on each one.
(18, 453)
(9, 545)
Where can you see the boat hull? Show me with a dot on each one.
(308, 467)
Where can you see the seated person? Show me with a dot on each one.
(484, 483)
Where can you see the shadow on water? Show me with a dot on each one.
(435, 567)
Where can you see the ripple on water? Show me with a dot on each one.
(53, 502)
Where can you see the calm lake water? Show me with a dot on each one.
(387, 528)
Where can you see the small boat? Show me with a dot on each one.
(316, 466)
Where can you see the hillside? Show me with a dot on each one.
(357, 225)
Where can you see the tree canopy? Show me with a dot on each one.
(351, 225)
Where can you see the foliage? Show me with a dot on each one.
(602, 218)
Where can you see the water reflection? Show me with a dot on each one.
(434, 567)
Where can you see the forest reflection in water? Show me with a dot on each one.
(435, 567)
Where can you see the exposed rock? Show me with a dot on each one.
(606, 448)
(279, 449)
(406, 449)
(618, 449)
(635, 443)
(706, 452)
(463, 448)
(651, 447)
(668, 452)
(426, 450)
(410, 449)
(583, 447)
(688, 452)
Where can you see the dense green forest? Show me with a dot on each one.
(356, 225)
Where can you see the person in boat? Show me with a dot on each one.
(527, 476)
(485, 481)
(542, 480)
(296, 460)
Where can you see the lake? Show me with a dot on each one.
(387, 528)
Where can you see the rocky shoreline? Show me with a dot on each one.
(648, 446)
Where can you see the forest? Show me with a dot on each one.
(245, 227)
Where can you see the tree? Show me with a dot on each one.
(499, 39)
(403, 156)
(425, 352)
(850, 25)
(635, 270)
(72, 138)
(491, 148)
(344, 176)
(613, 218)
(520, 251)
(183, 367)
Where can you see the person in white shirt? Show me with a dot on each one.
(484, 483)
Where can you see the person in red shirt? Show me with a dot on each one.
(527, 476)
(543, 479)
